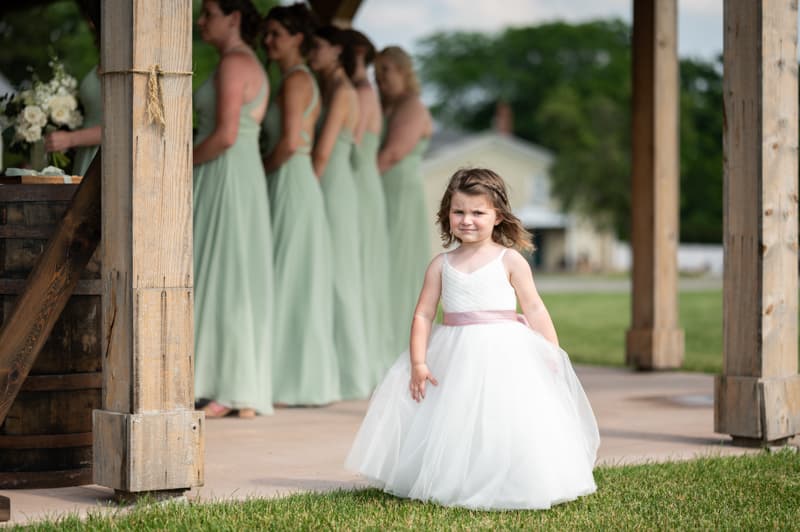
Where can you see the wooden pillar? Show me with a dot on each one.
(148, 437)
(655, 340)
(757, 397)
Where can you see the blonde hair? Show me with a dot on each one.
(477, 181)
(402, 61)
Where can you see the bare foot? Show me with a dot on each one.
(214, 409)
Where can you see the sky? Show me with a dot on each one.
(402, 22)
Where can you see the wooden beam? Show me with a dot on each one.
(49, 286)
(338, 12)
(148, 438)
(757, 397)
(655, 341)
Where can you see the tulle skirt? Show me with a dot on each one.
(508, 427)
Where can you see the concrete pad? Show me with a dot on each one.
(643, 417)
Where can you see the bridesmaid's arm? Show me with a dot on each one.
(334, 122)
(366, 103)
(405, 129)
(296, 93)
(421, 326)
(521, 278)
(230, 85)
(64, 140)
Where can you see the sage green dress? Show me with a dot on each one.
(342, 204)
(408, 219)
(92, 101)
(233, 277)
(304, 366)
(374, 254)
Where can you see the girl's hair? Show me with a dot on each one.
(250, 25)
(335, 36)
(90, 9)
(476, 181)
(403, 61)
(296, 18)
(360, 44)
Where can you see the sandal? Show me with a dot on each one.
(214, 409)
(246, 413)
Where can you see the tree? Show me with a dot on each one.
(570, 89)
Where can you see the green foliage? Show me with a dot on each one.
(751, 492)
(570, 90)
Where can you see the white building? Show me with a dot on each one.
(565, 241)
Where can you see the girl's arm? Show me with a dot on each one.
(64, 140)
(296, 93)
(421, 324)
(533, 308)
(334, 122)
(405, 129)
(230, 85)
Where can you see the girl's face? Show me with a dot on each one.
(323, 55)
(279, 42)
(214, 25)
(391, 80)
(472, 218)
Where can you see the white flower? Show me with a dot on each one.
(33, 115)
(30, 133)
(61, 115)
(66, 101)
(75, 119)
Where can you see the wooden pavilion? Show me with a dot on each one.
(147, 435)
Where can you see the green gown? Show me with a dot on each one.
(342, 203)
(92, 102)
(374, 254)
(408, 220)
(305, 369)
(233, 275)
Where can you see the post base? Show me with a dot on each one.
(5, 509)
(128, 497)
(763, 409)
(151, 452)
(648, 349)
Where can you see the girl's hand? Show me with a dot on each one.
(419, 374)
(58, 141)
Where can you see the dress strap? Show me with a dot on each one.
(314, 99)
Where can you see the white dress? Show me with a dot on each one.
(509, 425)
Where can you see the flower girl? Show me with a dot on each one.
(486, 412)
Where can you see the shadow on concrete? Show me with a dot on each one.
(659, 437)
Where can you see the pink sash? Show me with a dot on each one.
(478, 317)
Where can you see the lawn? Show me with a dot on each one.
(752, 492)
(591, 327)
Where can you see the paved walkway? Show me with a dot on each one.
(642, 416)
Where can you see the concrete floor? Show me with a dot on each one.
(642, 416)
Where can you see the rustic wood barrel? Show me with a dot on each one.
(46, 439)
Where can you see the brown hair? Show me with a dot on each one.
(401, 60)
(360, 44)
(335, 36)
(296, 18)
(475, 181)
(250, 25)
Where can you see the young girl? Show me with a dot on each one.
(488, 413)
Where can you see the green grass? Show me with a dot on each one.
(591, 327)
(752, 492)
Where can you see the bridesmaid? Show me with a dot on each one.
(409, 127)
(305, 369)
(232, 236)
(332, 163)
(86, 139)
(372, 208)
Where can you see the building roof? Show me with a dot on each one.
(449, 144)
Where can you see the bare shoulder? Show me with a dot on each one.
(436, 262)
(515, 262)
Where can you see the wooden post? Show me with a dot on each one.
(654, 340)
(757, 397)
(148, 437)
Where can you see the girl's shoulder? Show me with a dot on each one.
(514, 260)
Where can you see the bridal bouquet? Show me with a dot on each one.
(39, 108)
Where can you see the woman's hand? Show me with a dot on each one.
(419, 375)
(58, 141)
